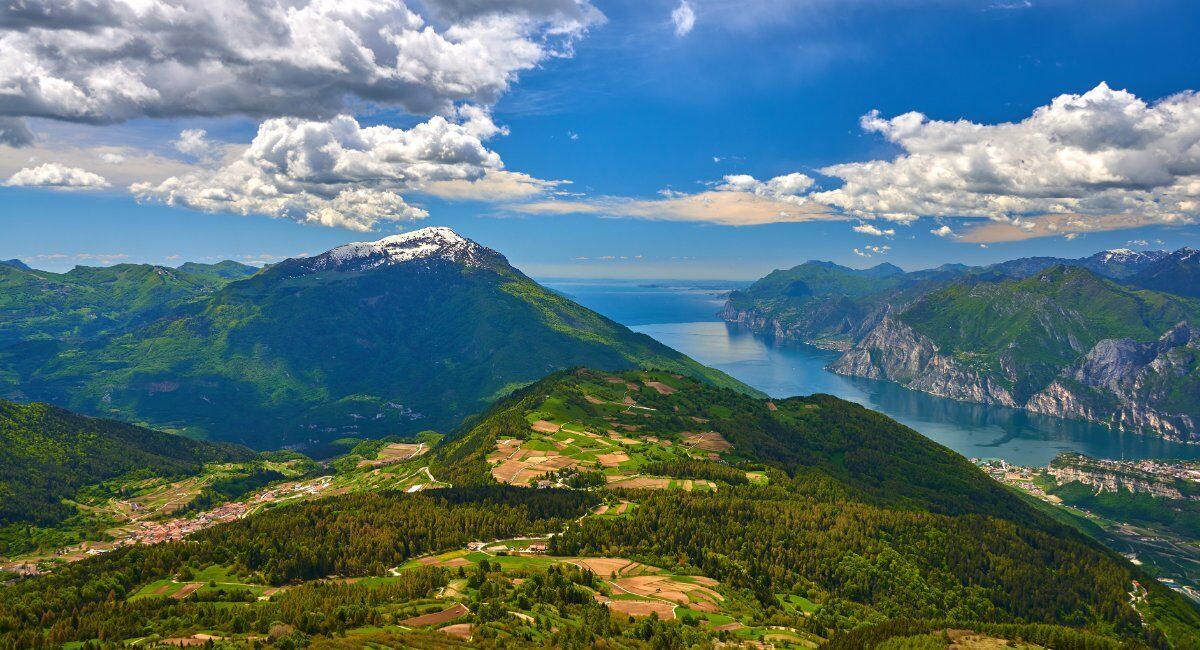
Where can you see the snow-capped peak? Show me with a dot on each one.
(1128, 256)
(427, 243)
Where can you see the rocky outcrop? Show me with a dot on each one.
(1114, 481)
(1130, 386)
(894, 351)
(1120, 383)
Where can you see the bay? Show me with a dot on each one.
(684, 316)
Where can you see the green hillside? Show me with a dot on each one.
(47, 453)
(674, 514)
(312, 350)
(1025, 332)
(89, 301)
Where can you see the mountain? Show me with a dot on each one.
(1079, 338)
(1177, 273)
(670, 514)
(226, 270)
(1117, 263)
(16, 264)
(407, 333)
(46, 453)
(1120, 263)
(86, 302)
(1063, 342)
(826, 304)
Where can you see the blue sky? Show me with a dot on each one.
(606, 122)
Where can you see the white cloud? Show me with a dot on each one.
(1093, 156)
(104, 61)
(943, 231)
(868, 229)
(684, 18)
(787, 188)
(871, 251)
(112, 158)
(195, 143)
(55, 175)
(339, 173)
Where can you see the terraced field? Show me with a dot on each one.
(617, 436)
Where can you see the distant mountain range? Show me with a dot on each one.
(1110, 338)
(410, 332)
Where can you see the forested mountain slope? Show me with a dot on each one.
(731, 518)
(47, 453)
(391, 337)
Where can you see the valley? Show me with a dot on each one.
(563, 551)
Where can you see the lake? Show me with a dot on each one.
(684, 317)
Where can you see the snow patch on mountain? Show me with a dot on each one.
(427, 243)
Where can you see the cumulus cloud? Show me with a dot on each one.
(339, 173)
(195, 143)
(684, 18)
(105, 61)
(943, 231)
(868, 229)
(1101, 159)
(788, 188)
(871, 251)
(57, 176)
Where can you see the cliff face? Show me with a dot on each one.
(1131, 386)
(825, 326)
(893, 351)
(1045, 335)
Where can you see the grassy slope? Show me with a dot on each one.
(858, 520)
(288, 357)
(88, 301)
(47, 453)
(1037, 326)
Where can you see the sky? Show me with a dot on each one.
(628, 139)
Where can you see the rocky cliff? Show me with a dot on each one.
(1131, 386)
(893, 351)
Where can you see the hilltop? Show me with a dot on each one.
(407, 333)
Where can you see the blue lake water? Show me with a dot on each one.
(685, 319)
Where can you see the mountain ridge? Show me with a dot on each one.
(408, 333)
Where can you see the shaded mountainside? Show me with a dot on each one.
(46, 453)
(1083, 339)
(1177, 273)
(804, 521)
(392, 337)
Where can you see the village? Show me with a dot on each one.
(173, 529)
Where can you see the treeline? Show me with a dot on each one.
(894, 633)
(901, 563)
(696, 469)
(47, 453)
(1181, 516)
(349, 535)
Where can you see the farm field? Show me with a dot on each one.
(618, 435)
